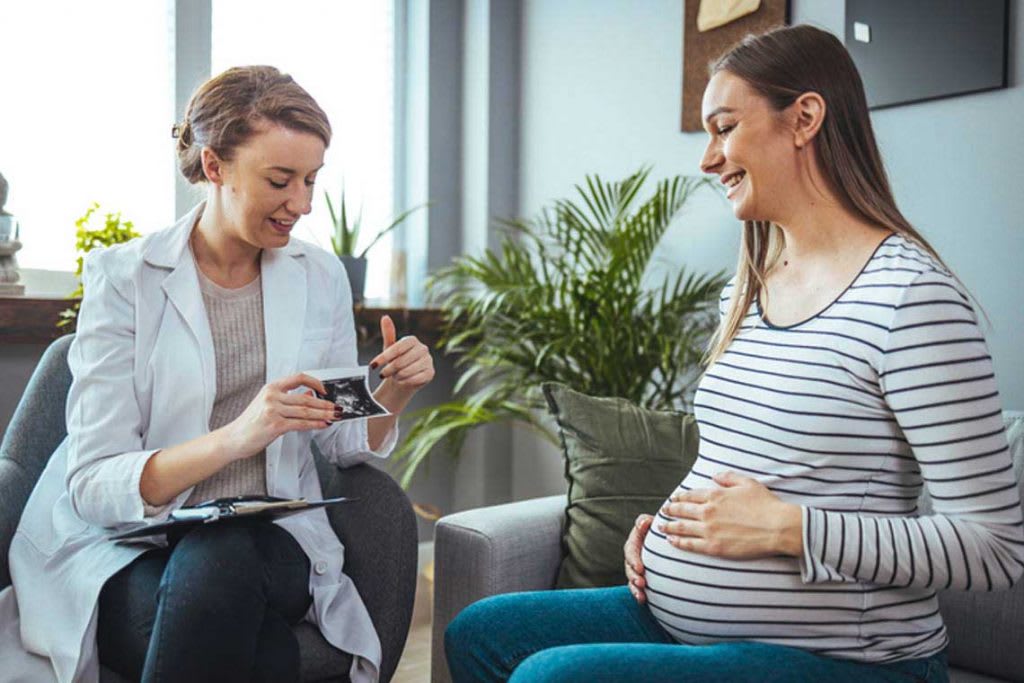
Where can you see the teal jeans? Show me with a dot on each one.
(602, 635)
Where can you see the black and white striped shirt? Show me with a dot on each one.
(849, 414)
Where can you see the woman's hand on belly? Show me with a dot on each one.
(741, 520)
(631, 551)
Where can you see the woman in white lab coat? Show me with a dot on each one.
(218, 603)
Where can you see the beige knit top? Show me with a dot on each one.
(239, 344)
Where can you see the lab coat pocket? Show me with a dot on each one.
(313, 348)
(49, 533)
(49, 520)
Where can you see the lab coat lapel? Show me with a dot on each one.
(181, 286)
(284, 313)
(284, 309)
(182, 289)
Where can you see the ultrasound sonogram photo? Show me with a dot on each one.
(351, 393)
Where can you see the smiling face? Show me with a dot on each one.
(267, 185)
(750, 149)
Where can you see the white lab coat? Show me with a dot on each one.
(143, 379)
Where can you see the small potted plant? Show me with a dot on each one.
(345, 235)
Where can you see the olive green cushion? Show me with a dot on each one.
(620, 461)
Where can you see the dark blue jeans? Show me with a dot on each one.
(216, 605)
(602, 635)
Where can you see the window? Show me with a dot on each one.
(87, 107)
(342, 54)
(85, 116)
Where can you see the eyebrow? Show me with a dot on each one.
(716, 112)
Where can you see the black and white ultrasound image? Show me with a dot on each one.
(352, 395)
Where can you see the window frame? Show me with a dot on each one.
(192, 65)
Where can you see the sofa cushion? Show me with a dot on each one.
(986, 629)
(620, 461)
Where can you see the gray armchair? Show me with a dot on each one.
(517, 547)
(379, 532)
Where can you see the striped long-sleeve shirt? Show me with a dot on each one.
(848, 414)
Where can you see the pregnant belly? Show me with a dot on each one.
(700, 599)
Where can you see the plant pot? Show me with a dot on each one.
(356, 269)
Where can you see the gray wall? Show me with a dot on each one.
(601, 93)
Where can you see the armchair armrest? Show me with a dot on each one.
(488, 551)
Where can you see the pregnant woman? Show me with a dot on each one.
(847, 373)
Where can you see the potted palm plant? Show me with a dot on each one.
(564, 299)
(345, 236)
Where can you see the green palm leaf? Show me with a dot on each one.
(562, 299)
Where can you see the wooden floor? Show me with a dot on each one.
(414, 666)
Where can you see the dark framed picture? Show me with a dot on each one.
(916, 50)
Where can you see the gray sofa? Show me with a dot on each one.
(517, 547)
(379, 532)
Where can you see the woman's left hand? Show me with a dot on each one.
(405, 364)
(741, 520)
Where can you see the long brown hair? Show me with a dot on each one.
(228, 109)
(781, 65)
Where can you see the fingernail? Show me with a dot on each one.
(373, 366)
(337, 413)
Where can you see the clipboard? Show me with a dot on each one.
(224, 509)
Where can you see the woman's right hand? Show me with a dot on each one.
(631, 551)
(274, 411)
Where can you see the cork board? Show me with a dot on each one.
(700, 49)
